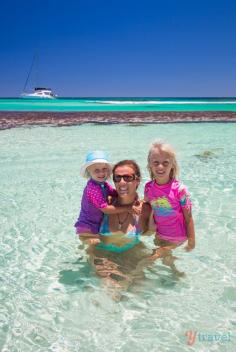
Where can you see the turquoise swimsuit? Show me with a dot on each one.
(133, 236)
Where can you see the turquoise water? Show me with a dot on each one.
(120, 104)
(51, 299)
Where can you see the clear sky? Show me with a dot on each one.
(162, 48)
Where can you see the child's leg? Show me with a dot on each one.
(165, 253)
(164, 248)
(89, 237)
(85, 232)
(169, 261)
(88, 241)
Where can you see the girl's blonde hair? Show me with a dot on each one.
(160, 146)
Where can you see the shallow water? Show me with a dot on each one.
(51, 299)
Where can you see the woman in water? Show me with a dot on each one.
(118, 251)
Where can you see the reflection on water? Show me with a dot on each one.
(52, 298)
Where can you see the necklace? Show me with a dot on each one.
(120, 223)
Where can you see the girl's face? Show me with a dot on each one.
(160, 165)
(125, 181)
(99, 172)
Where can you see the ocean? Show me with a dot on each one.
(51, 298)
(119, 104)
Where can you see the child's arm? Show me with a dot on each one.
(111, 209)
(97, 199)
(186, 204)
(190, 229)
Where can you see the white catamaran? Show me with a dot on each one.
(39, 92)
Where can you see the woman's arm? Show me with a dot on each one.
(111, 209)
(146, 219)
(97, 199)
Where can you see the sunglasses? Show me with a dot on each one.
(126, 178)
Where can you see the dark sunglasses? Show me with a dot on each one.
(126, 178)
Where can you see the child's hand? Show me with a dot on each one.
(191, 245)
(136, 208)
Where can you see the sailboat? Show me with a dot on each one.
(39, 92)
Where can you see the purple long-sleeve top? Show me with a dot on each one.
(94, 199)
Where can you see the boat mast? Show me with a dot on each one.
(30, 71)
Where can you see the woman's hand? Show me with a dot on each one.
(160, 252)
(93, 241)
(89, 239)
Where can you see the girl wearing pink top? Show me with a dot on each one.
(170, 201)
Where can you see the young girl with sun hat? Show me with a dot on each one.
(97, 168)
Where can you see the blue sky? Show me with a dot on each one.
(120, 47)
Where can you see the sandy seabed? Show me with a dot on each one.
(12, 119)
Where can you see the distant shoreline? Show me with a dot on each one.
(13, 119)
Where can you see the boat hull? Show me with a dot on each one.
(37, 97)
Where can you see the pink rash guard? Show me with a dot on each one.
(168, 202)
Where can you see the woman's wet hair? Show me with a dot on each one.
(160, 146)
(130, 163)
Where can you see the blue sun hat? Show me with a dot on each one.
(94, 157)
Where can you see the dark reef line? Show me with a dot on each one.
(12, 119)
